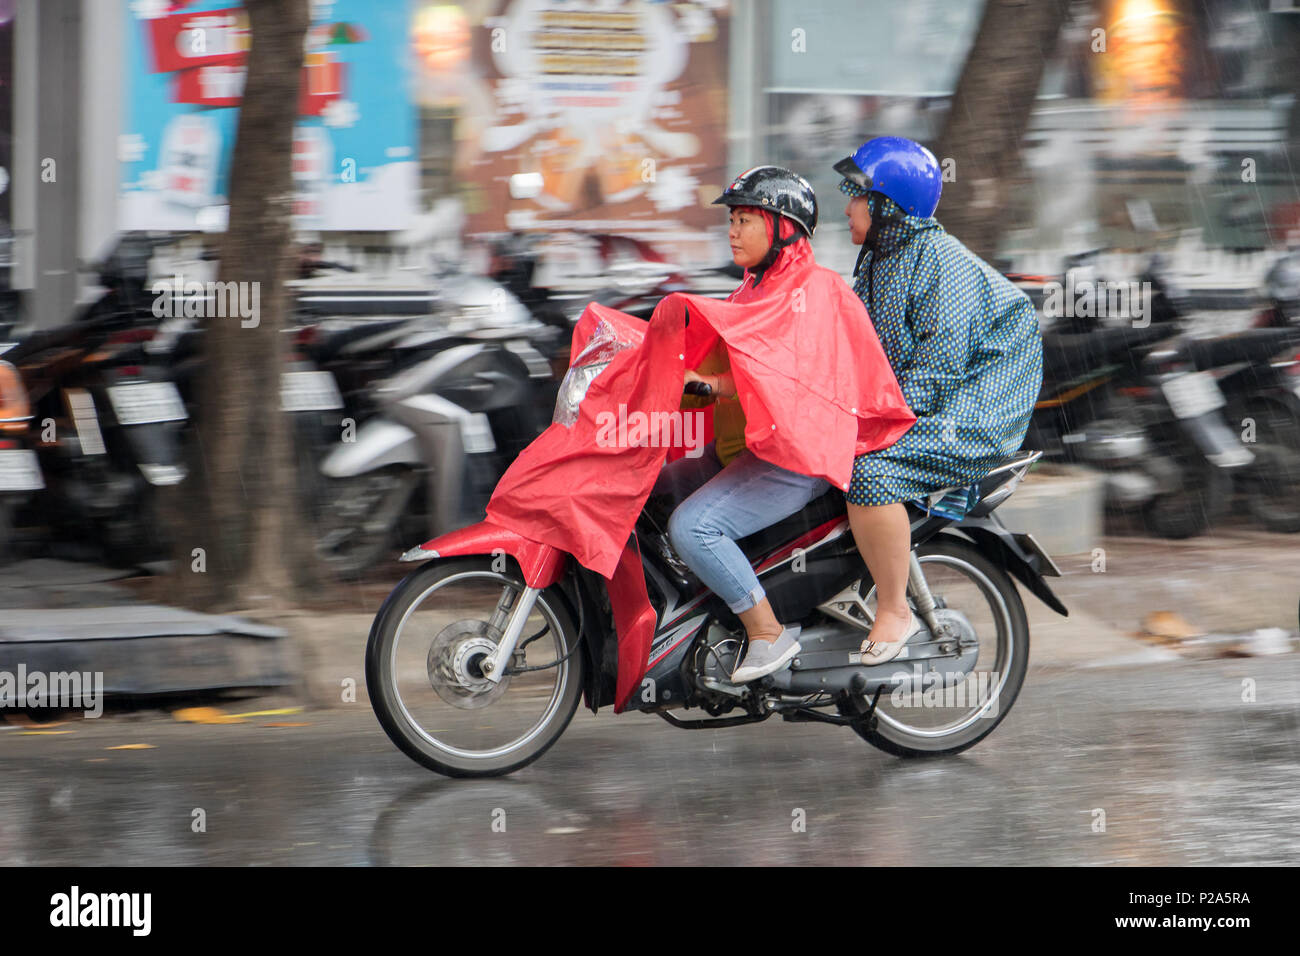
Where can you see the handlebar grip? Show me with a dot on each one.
(702, 389)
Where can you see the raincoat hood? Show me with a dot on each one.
(899, 228)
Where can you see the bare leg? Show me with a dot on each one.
(884, 538)
(761, 623)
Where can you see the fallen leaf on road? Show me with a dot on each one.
(283, 711)
(206, 715)
(38, 733)
(131, 747)
(1168, 627)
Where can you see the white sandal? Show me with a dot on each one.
(882, 652)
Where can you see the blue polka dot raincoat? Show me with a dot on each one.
(965, 346)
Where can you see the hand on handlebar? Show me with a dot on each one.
(697, 384)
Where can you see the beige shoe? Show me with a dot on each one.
(883, 652)
(766, 657)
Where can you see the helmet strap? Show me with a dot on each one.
(878, 221)
(778, 244)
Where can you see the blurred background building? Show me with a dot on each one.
(627, 118)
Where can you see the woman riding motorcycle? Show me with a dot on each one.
(730, 492)
(964, 344)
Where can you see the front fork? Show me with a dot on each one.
(509, 617)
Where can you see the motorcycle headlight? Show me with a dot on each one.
(600, 349)
(573, 389)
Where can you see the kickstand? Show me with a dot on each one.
(866, 713)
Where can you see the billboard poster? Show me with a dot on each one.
(615, 111)
(354, 157)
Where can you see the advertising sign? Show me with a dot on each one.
(614, 113)
(354, 159)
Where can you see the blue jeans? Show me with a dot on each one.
(718, 506)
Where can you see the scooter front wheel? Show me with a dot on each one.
(425, 682)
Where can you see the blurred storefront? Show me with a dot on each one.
(125, 114)
(354, 160)
(1168, 115)
(629, 116)
(1178, 108)
(552, 115)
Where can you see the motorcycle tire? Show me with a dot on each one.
(1205, 492)
(1272, 488)
(367, 536)
(901, 743)
(403, 729)
(1270, 485)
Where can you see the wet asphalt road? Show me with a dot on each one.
(1184, 770)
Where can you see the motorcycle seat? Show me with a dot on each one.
(814, 514)
(329, 343)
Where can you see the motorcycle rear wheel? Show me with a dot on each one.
(1008, 654)
(426, 693)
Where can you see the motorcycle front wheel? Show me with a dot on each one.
(424, 680)
(1202, 493)
(357, 517)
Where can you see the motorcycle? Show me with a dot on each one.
(106, 418)
(457, 398)
(476, 661)
(355, 485)
(1115, 399)
(1254, 371)
(20, 469)
(444, 429)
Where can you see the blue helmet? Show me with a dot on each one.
(903, 170)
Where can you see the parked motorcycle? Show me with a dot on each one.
(20, 469)
(106, 418)
(444, 430)
(1154, 427)
(1255, 372)
(1118, 396)
(333, 390)
(477, 660)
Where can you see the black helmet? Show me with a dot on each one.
(776, 189)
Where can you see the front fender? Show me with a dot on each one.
(542, 564)
(380, 442)
(1216, 441)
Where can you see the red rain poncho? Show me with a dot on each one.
(811, 377)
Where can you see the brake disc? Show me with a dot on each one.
(455, 657)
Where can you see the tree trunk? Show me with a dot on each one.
(238, 502)
(1289, 27)
(989, 114)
